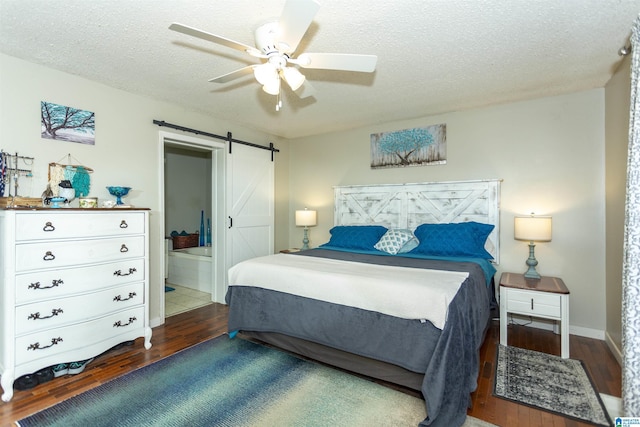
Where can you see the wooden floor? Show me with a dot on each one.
(186, 329)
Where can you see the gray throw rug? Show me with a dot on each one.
(234, 382)
(550, 383)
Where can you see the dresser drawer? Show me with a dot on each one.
(30, 256)
(49, 343)
(533, 303)
(65, 311)
(49, 284)
(69, 225)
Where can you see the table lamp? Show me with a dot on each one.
(305, 218)
(534, 229)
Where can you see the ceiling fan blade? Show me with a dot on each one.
(296, 17)
(233, 75)
(337, 61)
(194, 32)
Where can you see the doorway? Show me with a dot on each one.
(193, 176)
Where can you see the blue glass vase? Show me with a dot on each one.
(208, 232)
(201, 228)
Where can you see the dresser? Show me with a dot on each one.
(73, 284)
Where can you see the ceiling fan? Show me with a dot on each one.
(276, 42)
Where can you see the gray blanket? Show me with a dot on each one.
(448, 358)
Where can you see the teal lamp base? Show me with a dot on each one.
(531, 273)
(305, 239)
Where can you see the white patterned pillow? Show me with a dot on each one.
(393, 240)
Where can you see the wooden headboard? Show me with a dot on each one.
(409, 205)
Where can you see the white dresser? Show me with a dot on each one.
(73, 284)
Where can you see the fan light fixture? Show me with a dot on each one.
(277, 41)
(269, 74)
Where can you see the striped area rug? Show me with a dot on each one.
(234, 382)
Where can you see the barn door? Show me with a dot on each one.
(250, 204)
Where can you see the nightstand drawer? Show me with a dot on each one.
(533, 303)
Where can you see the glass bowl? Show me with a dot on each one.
(119, 192)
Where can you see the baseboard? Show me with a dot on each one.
(155, 321)
(612, 404)
(550, 325)
(586, 332)
(617, 352)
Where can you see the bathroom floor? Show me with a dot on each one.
(184, 299)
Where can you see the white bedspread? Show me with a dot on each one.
(409, 293)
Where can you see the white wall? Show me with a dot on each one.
(618, 98)
(127, 149)
(550, 154)
(187, 189)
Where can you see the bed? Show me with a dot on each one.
(401, 292)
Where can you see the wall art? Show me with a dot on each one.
(67, 124)
(409, 147)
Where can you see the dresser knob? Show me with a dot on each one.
(124, 248)
(123, 224)
(49, 256)
(48, 227)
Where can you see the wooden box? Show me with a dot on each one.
(189, 241)
(20, 202)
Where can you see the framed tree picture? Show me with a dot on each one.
(67, 124)
(409, 147)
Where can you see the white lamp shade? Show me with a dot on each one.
(265, 73)
(532, 228)
(293, 77)
(272, 87)
(306, 218)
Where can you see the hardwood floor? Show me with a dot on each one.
(600, 363)
(186, 329)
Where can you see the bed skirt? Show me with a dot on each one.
(342, 359)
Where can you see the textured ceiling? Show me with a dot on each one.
(434, 56)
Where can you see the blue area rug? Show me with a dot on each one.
(550, 383)
(168, 288)
(234, 382)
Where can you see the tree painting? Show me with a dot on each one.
(409, 147)
(67, 123)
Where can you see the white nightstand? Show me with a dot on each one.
(547, 297)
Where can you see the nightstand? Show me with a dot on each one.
(547, 297)
(290, 251)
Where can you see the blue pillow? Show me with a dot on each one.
(355, 236)
(454, 239)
